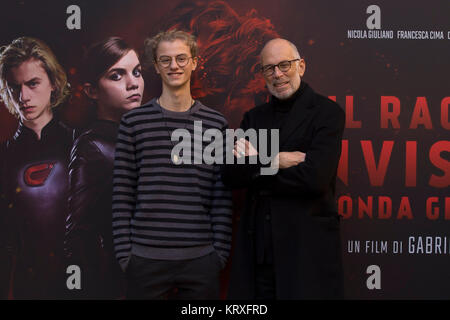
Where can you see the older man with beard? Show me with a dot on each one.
(288, 243)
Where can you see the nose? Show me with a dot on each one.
(24, 95)
(277, 72)
(132, 82)
(173, 63)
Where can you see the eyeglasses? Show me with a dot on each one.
(284, 66)
(181, 59)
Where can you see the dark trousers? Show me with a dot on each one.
(183, 279)
(264, 271)
(265, 282)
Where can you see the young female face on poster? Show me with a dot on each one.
(119, 88)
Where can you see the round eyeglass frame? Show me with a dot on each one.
(166, 65)
(269, 70)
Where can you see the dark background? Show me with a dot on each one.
(232, 33)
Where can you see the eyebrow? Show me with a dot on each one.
(122, 69)
(26, 82)
(33, 79)
(166, 56)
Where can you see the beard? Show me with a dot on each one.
(286, 94)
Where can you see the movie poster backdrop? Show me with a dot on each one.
(385, 62)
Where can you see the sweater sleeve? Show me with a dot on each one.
(221, 214)
(124, 191)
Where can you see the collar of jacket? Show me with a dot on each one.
(23, 132)
(300, 111)
(275, 102)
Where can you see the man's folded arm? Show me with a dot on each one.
(314, 175)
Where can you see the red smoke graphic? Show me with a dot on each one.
(229, 47)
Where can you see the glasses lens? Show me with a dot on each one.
(165, 61)
(284, 65)
(182, 60)
(268, 70)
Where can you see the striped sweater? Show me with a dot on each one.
(161, 210)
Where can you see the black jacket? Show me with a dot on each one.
(89, 222)
(34, 185)
(304, 219)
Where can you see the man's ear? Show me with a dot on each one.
(90, 91)
(301, 67)
(156, 67)
(194, 63)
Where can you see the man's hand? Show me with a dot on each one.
(243, 148)
(286, 160)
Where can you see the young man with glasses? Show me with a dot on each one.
(171, 219)
(288, 244)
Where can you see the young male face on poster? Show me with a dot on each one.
(33, 170)
(31, 90)
(33, 82)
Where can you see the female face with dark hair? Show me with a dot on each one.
(119, 89)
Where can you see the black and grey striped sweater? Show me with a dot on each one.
(161, 210)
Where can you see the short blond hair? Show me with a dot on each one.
(21, 50)
(151, 44)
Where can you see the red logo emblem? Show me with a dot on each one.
(36, 175)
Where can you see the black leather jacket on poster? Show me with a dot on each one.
(34, 186)
(89, 241)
